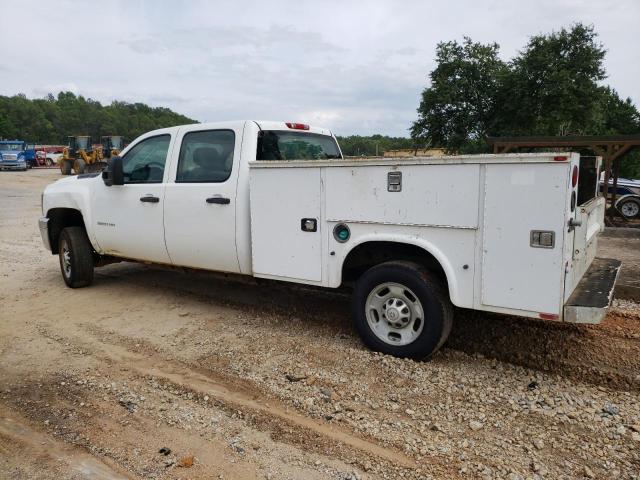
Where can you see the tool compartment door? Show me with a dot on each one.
(281, 197)
(519, 199)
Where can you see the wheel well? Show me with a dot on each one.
(370, 254)
(60, 218)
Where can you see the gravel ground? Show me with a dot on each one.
(153, 373)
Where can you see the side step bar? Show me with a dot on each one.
(592, 297)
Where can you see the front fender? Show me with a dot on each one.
(76, 194)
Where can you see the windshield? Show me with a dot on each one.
(283, 145)
(14, 147)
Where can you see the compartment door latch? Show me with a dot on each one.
(542, 239)
(394, 181)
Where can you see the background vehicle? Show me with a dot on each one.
(412, 236)
(30, 155)
(628, 197)
(13, 155)
(81, 156)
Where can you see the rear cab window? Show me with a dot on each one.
(287, 145)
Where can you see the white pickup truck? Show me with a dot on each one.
(413, 237)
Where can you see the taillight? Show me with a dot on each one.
(560, 158)
(297, 126)
(574, 176)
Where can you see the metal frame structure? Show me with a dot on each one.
(610, 147)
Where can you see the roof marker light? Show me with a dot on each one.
(560, 158)
(297, 126)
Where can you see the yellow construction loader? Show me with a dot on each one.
(81, 156)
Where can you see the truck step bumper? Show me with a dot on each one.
(592, 297)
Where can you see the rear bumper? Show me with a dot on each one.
(43, 224)
(592, 297)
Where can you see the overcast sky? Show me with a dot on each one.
(357, 67)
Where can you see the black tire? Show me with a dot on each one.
(623, 207)
(79, 166)
(76, 257)
(438, 310)
(65, 167)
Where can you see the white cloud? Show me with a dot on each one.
(351, 66)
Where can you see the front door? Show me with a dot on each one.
(200, 201)
(129, 218)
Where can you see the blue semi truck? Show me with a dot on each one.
(16, 155)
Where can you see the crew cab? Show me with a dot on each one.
(412, 237)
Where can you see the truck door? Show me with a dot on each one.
(128, 218)
(200, 200)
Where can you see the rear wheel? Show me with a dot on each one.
(402, 309)
(76, 257)
(629, 207)
(48, 162)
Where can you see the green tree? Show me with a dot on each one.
(552, 85)
(458, 108)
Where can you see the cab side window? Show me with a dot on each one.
(206, 156)
(145, 162)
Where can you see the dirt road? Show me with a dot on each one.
(243, 380)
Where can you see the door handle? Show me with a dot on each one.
(149, 199)
(219, 200)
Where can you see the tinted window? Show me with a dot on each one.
(283, 145)
(144, 163)
(206, 156)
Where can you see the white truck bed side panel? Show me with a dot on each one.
(453, 248)
(434, 195)
(280, 198)
(518, 199)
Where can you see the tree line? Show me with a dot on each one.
(50, 120)
(553, 86)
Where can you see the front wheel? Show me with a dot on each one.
(401, 309)
(79, 166)
(76, 257)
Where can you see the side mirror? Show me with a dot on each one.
(113, 174)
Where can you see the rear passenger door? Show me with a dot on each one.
(200, 198)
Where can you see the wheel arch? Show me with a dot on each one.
(373, 250)
(60, 218)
